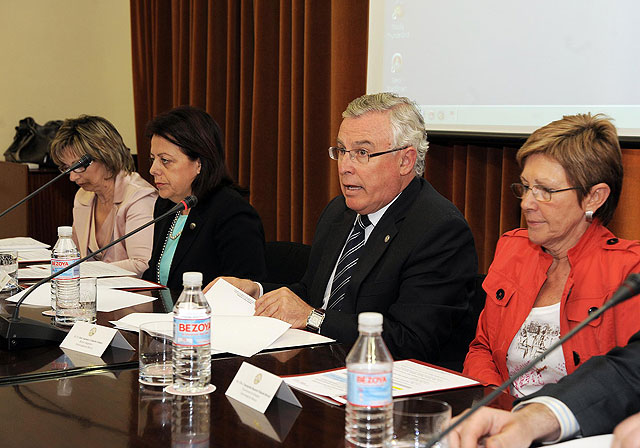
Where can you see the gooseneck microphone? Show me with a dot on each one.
(17, 332)
(84, 161)
(629, 288)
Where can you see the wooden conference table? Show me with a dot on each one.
(45, 403)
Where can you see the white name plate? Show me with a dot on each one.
(256, 388)
(93, 339)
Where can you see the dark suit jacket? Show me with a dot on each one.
(223, 235)
(603, 391)
(417, 269)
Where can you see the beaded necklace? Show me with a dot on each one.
(166, 240)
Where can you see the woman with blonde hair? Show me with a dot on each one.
(112, 199)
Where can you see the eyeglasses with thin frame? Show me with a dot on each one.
(360, 155)
(80, 169)
(540, 193)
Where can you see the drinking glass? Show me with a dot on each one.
(417, 420)
(8, 270)
(155, 340)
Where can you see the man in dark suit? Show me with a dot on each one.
(389, 244)
(595, 398)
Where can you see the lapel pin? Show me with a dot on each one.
(387, 238)
(192, 225)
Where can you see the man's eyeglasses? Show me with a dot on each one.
(80, 169)
(540, 193)
(360, 155)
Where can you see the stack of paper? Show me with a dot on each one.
(409, 377)
(107, 299)
(241, 335)
(97, 269)
(234, 328)
(29, 250)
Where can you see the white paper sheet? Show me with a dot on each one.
(602, 441)
(227, 300)
(108, 299)
(241, 335)
(97, 269)
(34, 272)
(127, 283)
(34, 255)
(21, 243)
(409, 377)
(299, 338)
(100, 269)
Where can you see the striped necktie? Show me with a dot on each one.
(347, 262)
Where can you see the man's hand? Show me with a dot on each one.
(502, 429)
(246, 286)
(284, 305)
(627, 433)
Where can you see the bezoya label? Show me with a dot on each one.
(57, 264)
(191, 332)
(369, 389)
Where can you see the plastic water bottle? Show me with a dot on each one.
(191, 337)
(65, 288)
(369, 416)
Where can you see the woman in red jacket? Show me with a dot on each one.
(546, 279)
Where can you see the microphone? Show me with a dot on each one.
(84, 161)
(17, 332)
(629, 288)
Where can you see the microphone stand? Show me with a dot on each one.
(628, 289)
(84, 161)
(17, 332)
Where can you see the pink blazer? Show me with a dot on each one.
(133, 202)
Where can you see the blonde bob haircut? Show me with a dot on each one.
(95, 136)
(588, 149)
(407, 124)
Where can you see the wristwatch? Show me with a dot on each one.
(314, 321)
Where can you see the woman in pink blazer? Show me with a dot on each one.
(112, 199)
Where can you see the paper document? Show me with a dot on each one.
(97, 269)
(227, 300)
(107, 299)
(240, 335)
(293, 338)
(409, 377)
(34, 255)
(35, 272)
(587, 442)
(290, 339)
(101, 269)
(127, 283)
(21, 243)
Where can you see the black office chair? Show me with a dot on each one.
(455, 350)
(286, 261)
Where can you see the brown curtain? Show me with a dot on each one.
(275, 75)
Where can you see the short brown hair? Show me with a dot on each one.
(95, 136)
(588, 149)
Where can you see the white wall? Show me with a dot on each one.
(63, 58)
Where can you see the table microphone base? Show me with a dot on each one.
(16, 334)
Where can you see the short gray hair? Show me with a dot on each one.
(407, 123)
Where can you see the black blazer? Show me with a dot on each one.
(417, 269)
(223, 235)
(603, 391)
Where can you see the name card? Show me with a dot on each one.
(93, 339)
(256, 388)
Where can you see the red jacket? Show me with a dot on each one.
(599, 264)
